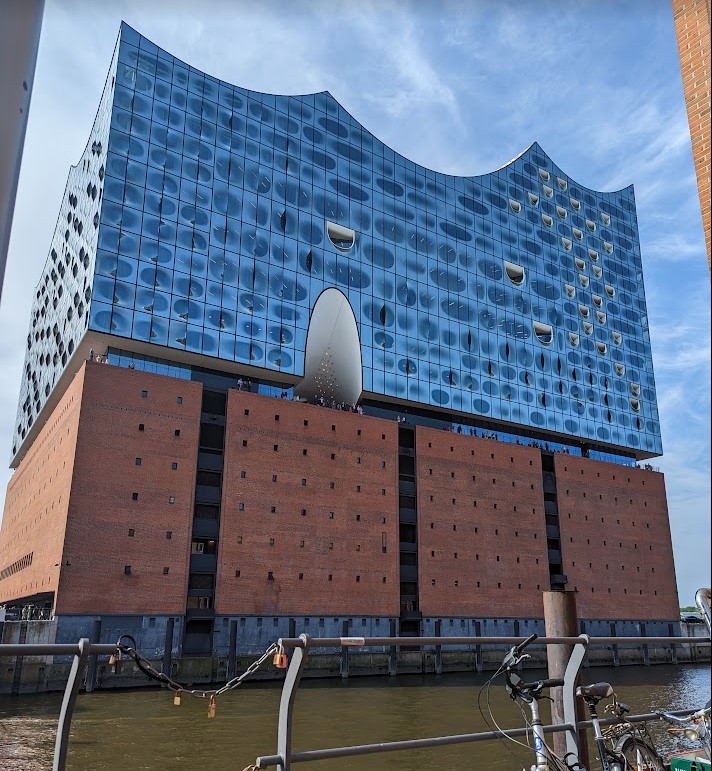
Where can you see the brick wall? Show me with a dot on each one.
(37, 499)
(107, 529)
(692, 27)
(322, 539)
(615, 540)
(481, 529)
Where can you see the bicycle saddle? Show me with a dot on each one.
(595, 692)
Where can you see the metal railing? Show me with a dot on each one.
(81, 652)
(301, 647)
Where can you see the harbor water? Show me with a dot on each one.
(142, 730)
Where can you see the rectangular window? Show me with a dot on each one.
(140, 427)
(138, 461)
(132, 532)
(165, 571)
(169, 534)
(177, 432)
(134, 496)
(174, 466)
(171, 499)
(144, 394)
(179, 400)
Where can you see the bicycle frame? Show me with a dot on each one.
(542, 764)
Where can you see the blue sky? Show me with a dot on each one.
(461, 87)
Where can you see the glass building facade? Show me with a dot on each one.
(204, 221)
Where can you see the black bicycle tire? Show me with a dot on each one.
(635, 742)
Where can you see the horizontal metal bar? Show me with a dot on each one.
(635, 718)
(408, 744)
(366, 642)
(55, 650)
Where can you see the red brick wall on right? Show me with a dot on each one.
(615, 540)
(692, 27)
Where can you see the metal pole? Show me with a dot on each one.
(560, 620)
(286, 704)
(93, 659)
(68, 702)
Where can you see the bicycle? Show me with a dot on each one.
(621, 747)
(631, 750)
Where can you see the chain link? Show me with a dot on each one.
(145, 666)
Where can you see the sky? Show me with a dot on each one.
(460, 86)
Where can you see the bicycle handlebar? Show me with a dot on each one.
(537, 685)
(522, 645)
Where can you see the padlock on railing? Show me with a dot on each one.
(176, 699)
(280, 658)
(115, 662)
(211, 707)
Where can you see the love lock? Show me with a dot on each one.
(280, 659)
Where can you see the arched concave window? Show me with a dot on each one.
(515, 273)
(332, 362)
(342, 238)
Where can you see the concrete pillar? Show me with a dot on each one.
(344, 664)
(232, 650)
(19, 41)
(92, 660)
(393, 651)
(478, 648)
(438, 648)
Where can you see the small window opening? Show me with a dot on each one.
(515, 273)
(533, 199)
(546, 219)
(543, 332)
(575, 205)
(566, 243)
(544, 174)
(342, 238)
(515, 206)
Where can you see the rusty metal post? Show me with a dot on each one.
(561, 620)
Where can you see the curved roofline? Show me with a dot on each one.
(534, 146)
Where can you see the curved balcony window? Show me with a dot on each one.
(608, 246)
(602, 348)
(533, 199)
(561, 212)
(570, 291)
(617, 337)
(605, 219)
(584, 311)
(591, 225)
(562, 183)
(573, 339)
(597, 271)
(597, 301)
(548, 191)
(515, 206)
(619, 369)
(575, 205)
(567, 243)
(578, 235)
(583, 280)
(544, 174)
(546, 219)
(610, 290)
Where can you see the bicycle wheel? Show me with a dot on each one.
(638, 754)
